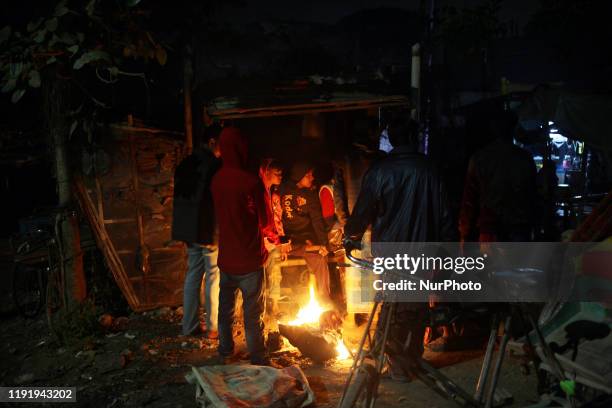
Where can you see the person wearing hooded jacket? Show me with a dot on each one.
(241, 209)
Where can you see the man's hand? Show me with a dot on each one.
(270, 246)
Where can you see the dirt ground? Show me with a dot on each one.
(143, 362)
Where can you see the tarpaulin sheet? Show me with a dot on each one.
(579, 116)
(234, 386)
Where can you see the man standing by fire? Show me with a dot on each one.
(403, 199)
(193, 222)
(271, 175)
(304, 225)
(240, 205)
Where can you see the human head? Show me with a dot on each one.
(302, 173)
(271, 172)
(210, 140)
(234, 147)
(503, 125)
(403, 131)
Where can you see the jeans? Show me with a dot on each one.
(273, 274)
(317, 264)
(202, 261)
(252, 287)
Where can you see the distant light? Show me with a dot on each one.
(557, 138)
(553, 130)
(550, 123)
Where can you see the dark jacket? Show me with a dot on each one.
(500, 192)
(403, 198)
(240, 207)
(193, 216)
(302, 216)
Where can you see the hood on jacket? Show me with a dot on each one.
(234, 148)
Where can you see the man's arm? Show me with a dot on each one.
(264, 214)
(316, 218)
(365, 207)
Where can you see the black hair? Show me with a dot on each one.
(402, 130)
(502, 124)
(275, 164)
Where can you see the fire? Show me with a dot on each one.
(342, 351)
(310, 314)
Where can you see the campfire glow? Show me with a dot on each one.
(310, 314)
(343, 353)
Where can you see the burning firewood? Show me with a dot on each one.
(316, 344)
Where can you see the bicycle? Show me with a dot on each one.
(38, 270)
(375, 348)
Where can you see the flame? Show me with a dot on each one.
(342, 352)
(310, 313)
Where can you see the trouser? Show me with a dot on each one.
(202, 262)
(408, 319)
(318, 265)
(273, 274)
(251, 285)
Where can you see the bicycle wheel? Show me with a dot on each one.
(54, 300)
(360, 390)
(28, 292)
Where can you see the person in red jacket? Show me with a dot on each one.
(241, 209)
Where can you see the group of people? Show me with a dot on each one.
(261, 220)
(239, 228)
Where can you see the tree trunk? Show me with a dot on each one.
(56, 107)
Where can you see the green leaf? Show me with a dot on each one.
(40, 35)
(73, 127)
(73, 49)
(67, 38)
(16, 68)
(17, 95)
(51, 60)
(54, 40)
(5, 33)
(90, 7)
(61, 9)
(34, 81)
(131, 3)
(91, 56)
(33, 25)
(51, 24)
(80, 37)
(9, 86)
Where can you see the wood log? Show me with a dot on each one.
(318, 345)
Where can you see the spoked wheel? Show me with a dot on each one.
(361, 389)
(55, 299)
(28, 289)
